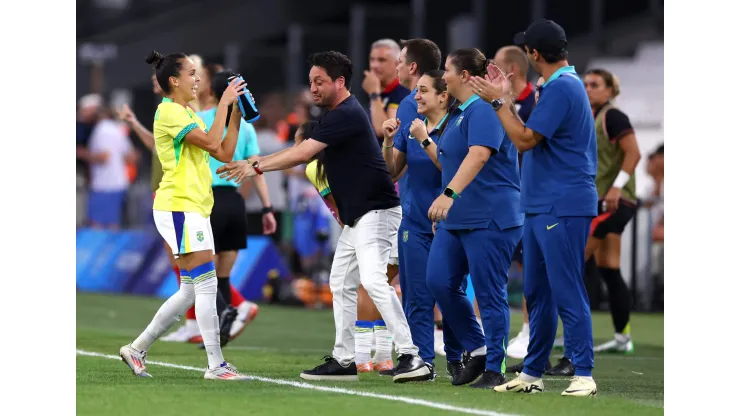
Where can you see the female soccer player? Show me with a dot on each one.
(369, 321)
(415, 233)
(479, 222)
(182, 207)
(618, 155)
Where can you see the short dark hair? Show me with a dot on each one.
(553, 57)
(424, 52)
(335, 63)
(165, 67)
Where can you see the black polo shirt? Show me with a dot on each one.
(353, 163)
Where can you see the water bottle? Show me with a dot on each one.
(246, 104)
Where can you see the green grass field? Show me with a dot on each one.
(283, 341)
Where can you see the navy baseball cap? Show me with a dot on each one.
(544, 35)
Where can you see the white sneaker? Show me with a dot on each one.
(518, 385)
(135, 360)
(620, 344)
(580, 387)
(224, 372)
(518, 345)
(439, 343)
(186, 333)
(246, 312)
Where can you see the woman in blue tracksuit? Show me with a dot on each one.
(415, 234)
(479, 222)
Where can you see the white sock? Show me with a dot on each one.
(383, 342)
(480, 351)
(363, 341)
(525, 328)
(168, 313)
(204, 280)
(587, 378)
(527, 378)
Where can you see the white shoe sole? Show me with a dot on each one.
(209, 376)
(313, 377)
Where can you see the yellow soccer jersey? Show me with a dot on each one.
(319, 183)
(186, 183)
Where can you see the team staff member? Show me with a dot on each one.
(368, 206)
(559, 199)
(615, 182)
(381, 84)
(369, 322)
(478, 234)
(183, 204)
(415, 234)
(418, 57)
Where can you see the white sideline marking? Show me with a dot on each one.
(339, 390)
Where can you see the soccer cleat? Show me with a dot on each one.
(489, 380)
(454, 368)
(387, 372)
(412, 368)
(439, 343)
(617, 345)
(580, 387)
(365, 367)
(331, 370)
(474, 367)
(564, 368)
(383, 365)
(226, 320)
(518, 368)
(246, 312)
(225, 371)
(185, 333)
(518, 385)
(135, 360)
(517, 348)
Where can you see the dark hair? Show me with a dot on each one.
(166, 67)
(469, 59)
(308, 128)
(335, 63)
(219, 82)
(610, 80)
(424, 52)
(440, 85)
(552, 57)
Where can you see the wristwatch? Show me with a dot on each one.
(267, 210)
(497, 103)
(256, 167)
(426, 143)
(374, 96)
(448, 192)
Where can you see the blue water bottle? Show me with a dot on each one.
(246, 104)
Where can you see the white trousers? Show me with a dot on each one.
(362, 256)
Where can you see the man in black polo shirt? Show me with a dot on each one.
(367, 205)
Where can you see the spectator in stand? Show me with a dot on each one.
(87, 117)
(109, 152)
(655, 198)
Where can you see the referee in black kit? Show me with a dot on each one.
(367, 204)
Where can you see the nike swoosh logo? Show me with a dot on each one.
(509, 388)
(550, 227)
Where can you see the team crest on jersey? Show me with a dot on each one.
(199, 236)
(405, 236)
(459, 120)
